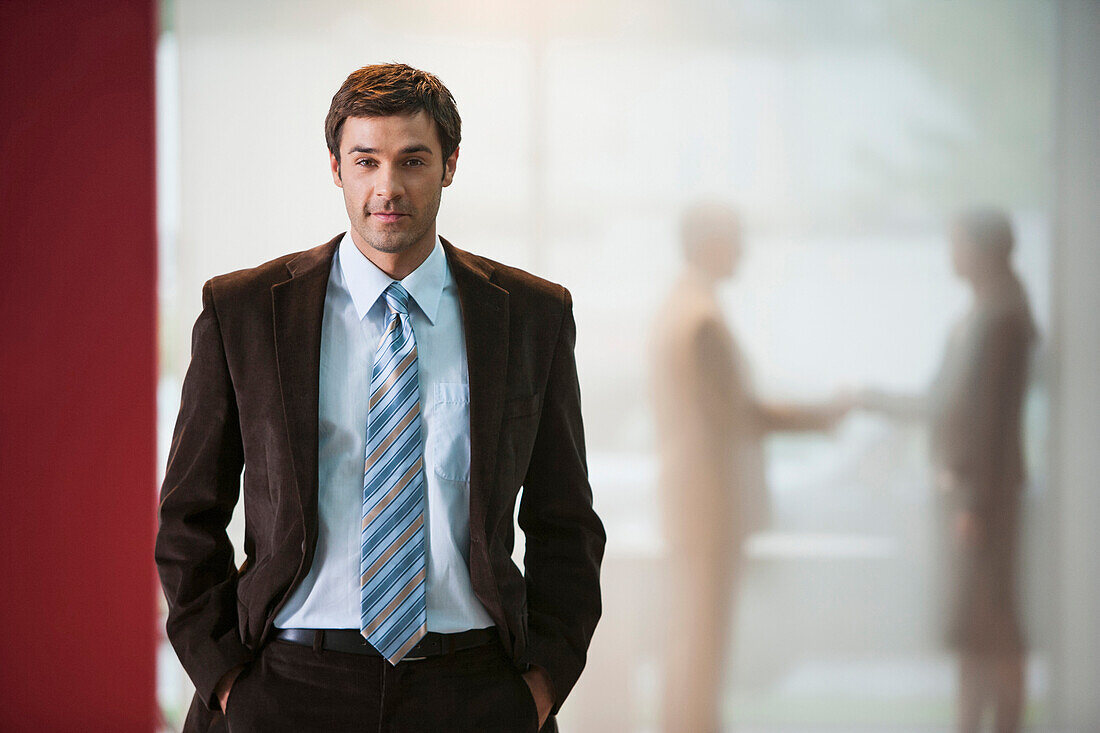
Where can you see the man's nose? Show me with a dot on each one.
(387, 184)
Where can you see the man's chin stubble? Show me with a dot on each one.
(392, 246)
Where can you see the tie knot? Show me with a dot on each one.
(397, 298)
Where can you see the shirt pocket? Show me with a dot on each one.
(448, 442)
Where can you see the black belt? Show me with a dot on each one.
(352, 642)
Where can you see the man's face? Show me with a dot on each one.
(719, 251)
(392, 172)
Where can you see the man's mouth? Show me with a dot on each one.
(387, 216)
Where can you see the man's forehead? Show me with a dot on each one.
(381, 131)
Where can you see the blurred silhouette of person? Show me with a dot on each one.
(974, 410)
(709, 428)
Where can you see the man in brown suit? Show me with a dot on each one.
(262, 381)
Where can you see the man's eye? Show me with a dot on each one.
(414, 161)
(365, 161)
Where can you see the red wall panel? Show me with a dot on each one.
(77, 366)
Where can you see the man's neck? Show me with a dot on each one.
(397, 265)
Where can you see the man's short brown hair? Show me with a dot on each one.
(382, 90)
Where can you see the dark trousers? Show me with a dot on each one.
(298, 689)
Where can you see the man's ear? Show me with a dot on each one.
(334, 165)
(449, 168)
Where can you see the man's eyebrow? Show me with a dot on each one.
(408, 150)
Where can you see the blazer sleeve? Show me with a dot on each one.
(564, 537)
(201, 486)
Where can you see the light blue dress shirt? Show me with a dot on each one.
(354, 319)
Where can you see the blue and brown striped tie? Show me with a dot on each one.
(393, 615)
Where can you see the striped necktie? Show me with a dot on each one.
(393, 615)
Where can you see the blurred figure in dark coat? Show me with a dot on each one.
(974, 409)
(710, 431)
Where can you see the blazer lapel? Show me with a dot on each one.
(485, 323)
(299, 307)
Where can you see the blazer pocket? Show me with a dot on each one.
(522, 406)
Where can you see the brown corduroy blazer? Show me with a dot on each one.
(250, 401)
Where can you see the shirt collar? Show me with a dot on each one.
(366, 282)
